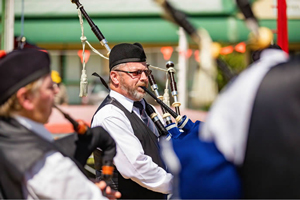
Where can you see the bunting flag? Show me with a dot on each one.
(226, 50)
(87, 54)
(187, 54)
(167, 52)
(216, 50)
(2, 53)
(240, 47)
(196, 55)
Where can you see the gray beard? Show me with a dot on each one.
(132, 92)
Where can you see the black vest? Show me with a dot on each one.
(271, 168)
(20, 149)
(128, 188)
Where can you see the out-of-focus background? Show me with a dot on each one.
(54, 25)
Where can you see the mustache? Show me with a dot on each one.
(144, 84)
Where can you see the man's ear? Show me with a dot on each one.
(114, 77)
(25, 98)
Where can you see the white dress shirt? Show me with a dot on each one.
(55, 176)
(130, 159)
(228, 120)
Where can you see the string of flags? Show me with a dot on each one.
(167, 51)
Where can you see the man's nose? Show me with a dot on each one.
(143, 75)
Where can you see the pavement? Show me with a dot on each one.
(58, 124)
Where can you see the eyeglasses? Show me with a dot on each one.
(136, 73)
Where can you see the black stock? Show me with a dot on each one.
(93, 26)
(245, 8)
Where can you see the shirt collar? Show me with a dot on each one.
(36, 127)
(126, 102)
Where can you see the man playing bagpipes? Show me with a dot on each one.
(140, 171)
(33, 164)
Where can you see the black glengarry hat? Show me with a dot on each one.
(125, 52)
(21, 67)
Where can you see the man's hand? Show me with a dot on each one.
(109, 193)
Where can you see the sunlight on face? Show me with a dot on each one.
(44, 100)
(130, 85)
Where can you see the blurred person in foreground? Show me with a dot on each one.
(255, 123)
(32, 165)
(140, 172)
(61, 97)
(254, 126)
